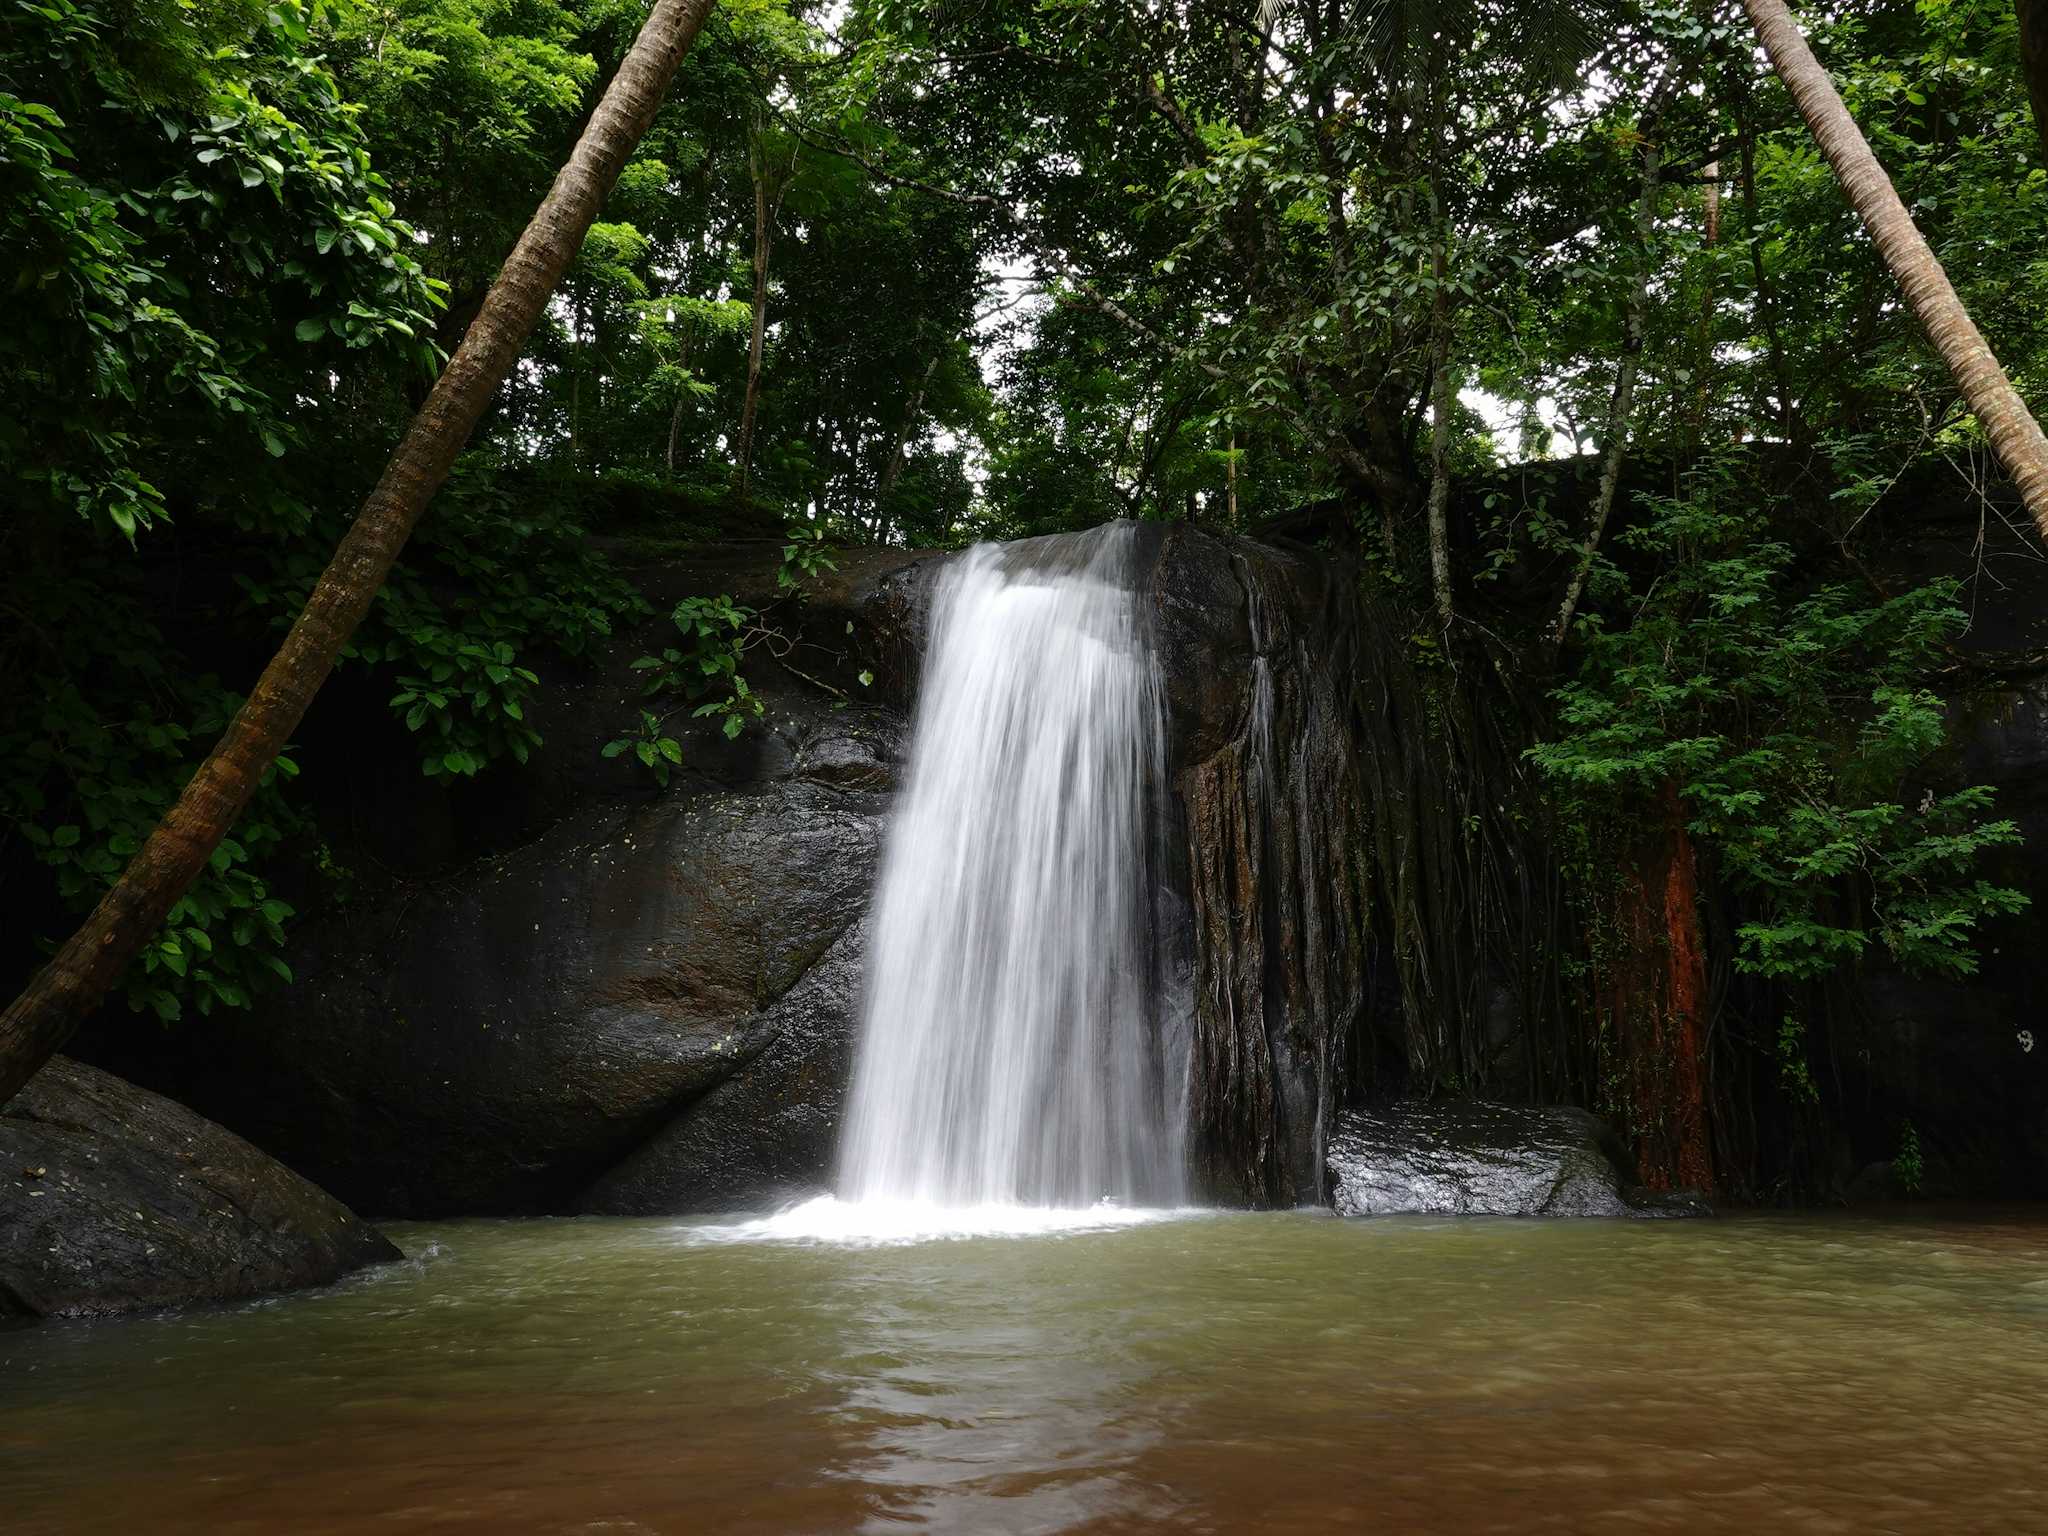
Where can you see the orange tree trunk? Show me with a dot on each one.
(38, 1022)
(1655, 999)
(2006, 420)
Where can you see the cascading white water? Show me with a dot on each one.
(1010, 1053)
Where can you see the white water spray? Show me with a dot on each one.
(1010, 1053)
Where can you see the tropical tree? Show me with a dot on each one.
(38, 1022)
(2011, 427)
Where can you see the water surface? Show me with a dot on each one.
(1222, 1373)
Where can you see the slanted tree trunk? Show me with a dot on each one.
(2011, 427)
(1614, 441)
(39, 1021)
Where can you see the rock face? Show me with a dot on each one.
(1253, 652)
(643, 1000)
(1470, 1159)
(768, 1133)
(646, 1006)
(495, 1042)
(113, 1199)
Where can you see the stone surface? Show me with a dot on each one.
(648, 1003)
(490, 1043)
(1266, 883)
(114, 1199)
(498, 1034)
(768, 1134)
(1467, 1159)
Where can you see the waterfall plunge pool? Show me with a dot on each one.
(818, 1371)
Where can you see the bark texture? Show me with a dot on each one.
(2034, 62)
(2014, 433)
(38, 1022)
(1655, 996)
(1442, 397)
(767, 202)
(1623, 402)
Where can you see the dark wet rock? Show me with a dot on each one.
(1466, 1159)
(767, 1134)
(492, 1042)
(1268, 847)
(492, 1035)
(114, 1199)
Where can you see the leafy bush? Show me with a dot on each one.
(1790, 726)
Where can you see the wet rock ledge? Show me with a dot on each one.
(113, 1199)
(1467, 1159)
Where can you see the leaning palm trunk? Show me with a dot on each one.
(2011, 427)
(39, 1021)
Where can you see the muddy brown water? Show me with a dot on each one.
(1227, 1373)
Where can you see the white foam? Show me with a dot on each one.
(878, 1222)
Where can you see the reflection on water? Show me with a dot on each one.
(1219, 1373)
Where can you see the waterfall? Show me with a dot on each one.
(1010, 1050)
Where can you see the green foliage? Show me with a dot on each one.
(1909, 1164)
(178, 186)
(656, 750)
(1795, 1076)
(1789, 725)
(705, 669)
(806, 556)
(82, 788)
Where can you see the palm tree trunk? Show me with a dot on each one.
(2006, 421)
(37, 1023)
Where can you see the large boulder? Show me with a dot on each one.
(113, 1199)
(493, 1042)
(538, 976)
(768, 1134)
(1468, 1159)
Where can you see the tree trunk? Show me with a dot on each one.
(39, 1021)
(1615, 439)
(1230, 481)
(1654, 992)
(893, 470)
(2034, 62)
(2006, 421)
(1442, 395)
(675, 415)
(764, 223)
(1766, 302)
(1710, 237)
